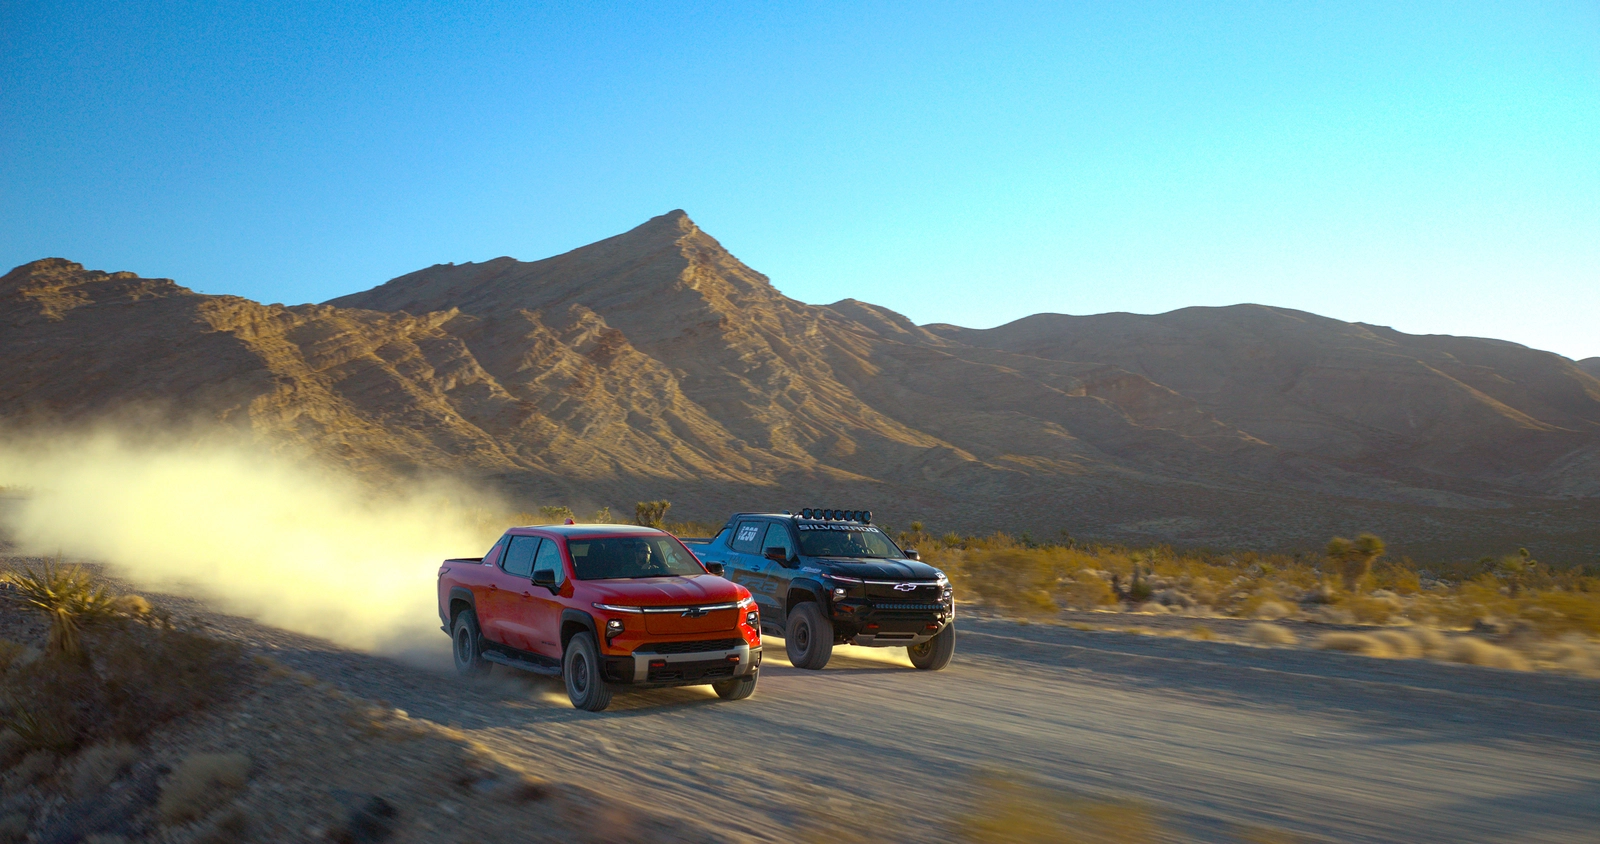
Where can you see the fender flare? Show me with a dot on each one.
(457, 593)
(570, 618)
(805, 584)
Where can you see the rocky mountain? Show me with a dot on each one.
(654, 363)
(1591, 366)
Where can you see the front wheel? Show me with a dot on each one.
(735, 688)
(580, 668)
(467, 645)
(935, 653)
(808, 637)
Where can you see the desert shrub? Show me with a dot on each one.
(157, 675)
(200, 784)
(1400, 643)
(128, 677)
(692, 529)
(1270, 634)
(555, 515)
(51, 704)
(601, 516)
(1271, 611)
(1084, 589)
(1474, 651)
(69, 597)
(1429, 640)
(1397, 578)
(1016, 580)
(1369, 609)
(1357, 643)
(98, 766)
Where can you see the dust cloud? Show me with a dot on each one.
(266, 536)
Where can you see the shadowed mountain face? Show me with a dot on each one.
(655, 363)
(1591, 366)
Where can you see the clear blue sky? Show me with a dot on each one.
(1435, 167)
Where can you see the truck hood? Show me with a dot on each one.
(667, 591)
(873, 569)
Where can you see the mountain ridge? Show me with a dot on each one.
(655, 362)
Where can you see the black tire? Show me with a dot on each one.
(808, 637)
(581, 670)
(735, 688)
(467, 645)
(934, 654)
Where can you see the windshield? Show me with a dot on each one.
(845, 540)
(615, 557)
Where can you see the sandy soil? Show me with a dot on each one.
(1214, 737)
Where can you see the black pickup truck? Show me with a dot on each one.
(828, 577)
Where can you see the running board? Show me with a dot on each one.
(513, 662)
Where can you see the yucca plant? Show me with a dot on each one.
(70, 597)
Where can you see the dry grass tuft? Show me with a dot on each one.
(1272, 611)
(100, 765)
(200, 784)
(1202, 633)
(1430, 640)
(1356, 643)
(1576, 656)
(1270, 634)
(1399, 642)
(1474, 651)
(1151, 607)
(1007, 811)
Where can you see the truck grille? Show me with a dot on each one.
(702, 646)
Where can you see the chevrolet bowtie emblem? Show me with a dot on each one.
(693, 612)
(904, 587)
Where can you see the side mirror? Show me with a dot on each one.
(545, 578)
(778, 554)
(911, 554)
(715, 568)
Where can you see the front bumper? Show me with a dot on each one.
(871, 625)
(645, 667)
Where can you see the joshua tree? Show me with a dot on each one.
(651, 513)
(71, 598)
(1354, 559)
(1515, 569)
(602, 516)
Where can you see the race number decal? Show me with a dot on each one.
(747, 532)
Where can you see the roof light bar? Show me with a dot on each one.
(862, 516)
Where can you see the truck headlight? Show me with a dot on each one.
(613, 627)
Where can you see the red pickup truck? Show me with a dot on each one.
(601, 606)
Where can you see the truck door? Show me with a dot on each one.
(778, 574)
(510, 590)
(542, 609)
(748, 568)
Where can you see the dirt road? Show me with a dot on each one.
(1214, 737)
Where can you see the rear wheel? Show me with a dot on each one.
(580, 668)
(808, 637)
(468, 644)
(935, 653)
(736, 688)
